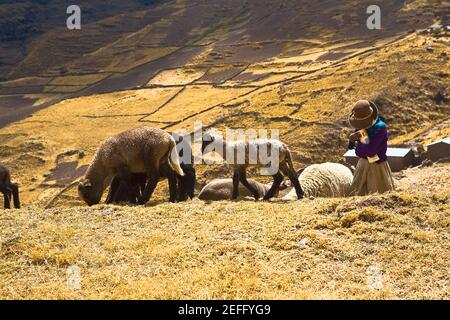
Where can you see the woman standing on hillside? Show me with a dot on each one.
(372, 173)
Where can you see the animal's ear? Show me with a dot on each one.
(86, 183)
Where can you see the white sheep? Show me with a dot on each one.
(243, 150)
(324, 180)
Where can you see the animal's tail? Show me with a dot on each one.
(174, 161)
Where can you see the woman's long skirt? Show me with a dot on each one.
(371, 178)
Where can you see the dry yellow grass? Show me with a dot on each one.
(180, 76)
(192, 100)
(25, 82)
(114, 58)
(322, 248)
(140, 56)
(78, 80)
(43, 98)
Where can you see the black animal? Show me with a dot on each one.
(8, 188)
(130, 191)
(186, 184)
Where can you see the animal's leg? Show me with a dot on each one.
(153, 173)
(166, 171)
(235, 192)
(113, 190)
(182, 194)
(191, 194)
(137, 187)
(244, 181)
(277, 179)
(173, 187)
(15, 192)
(127, 190)
(136, 192)
(141, 183)
(6, 202)
(149, 188)
(292, 175)
(132, 191)
(6, 194)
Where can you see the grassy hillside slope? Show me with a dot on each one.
(308, 249)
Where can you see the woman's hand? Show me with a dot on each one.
(355, 136)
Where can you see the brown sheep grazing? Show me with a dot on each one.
(139, 150)
(8, 188)
(120, 192)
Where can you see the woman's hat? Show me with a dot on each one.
(363, 115)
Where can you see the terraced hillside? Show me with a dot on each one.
(125, 45)
(296, 66)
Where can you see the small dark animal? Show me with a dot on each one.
(8, 188)
(121, 192)
(127, 192)
(186, 184)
